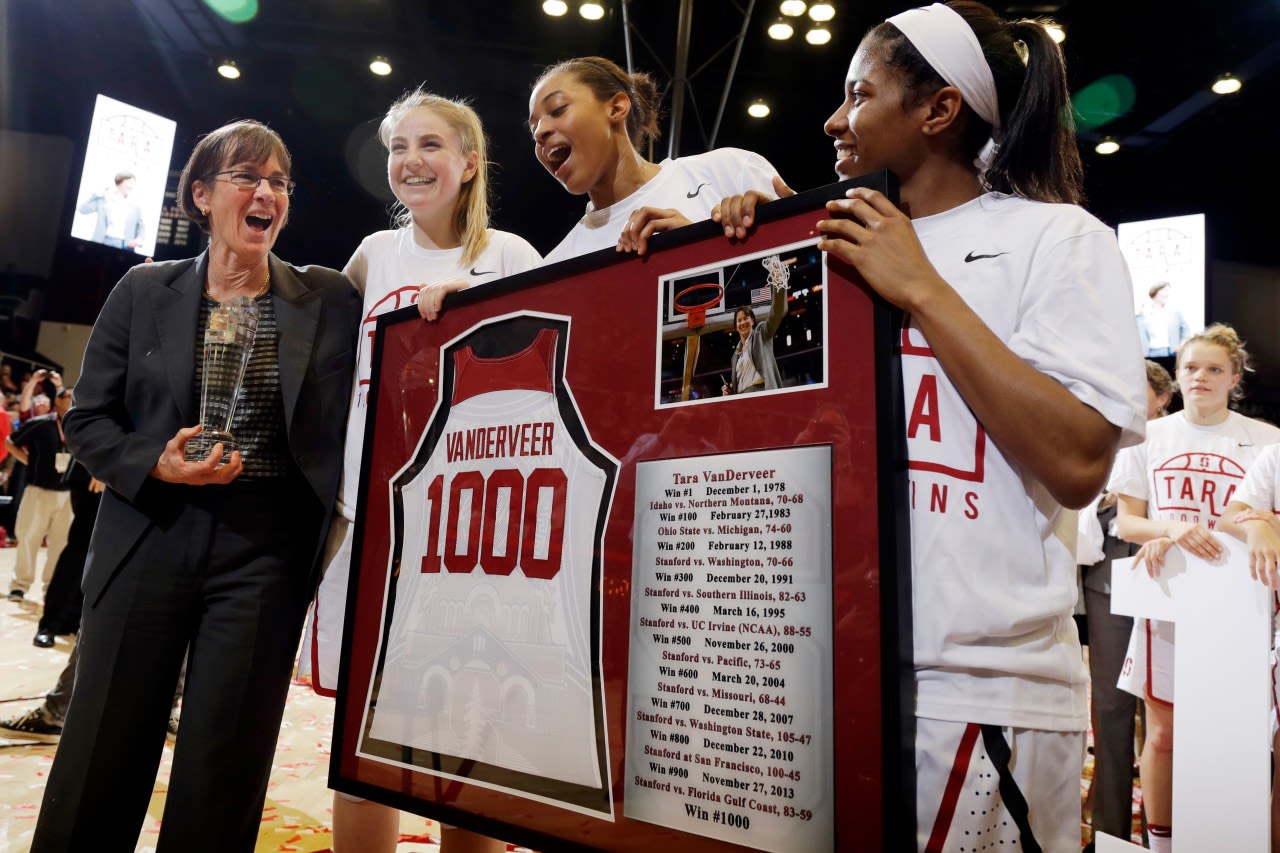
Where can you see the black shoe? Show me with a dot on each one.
(16, 594)
(32, 726)
(43, 640)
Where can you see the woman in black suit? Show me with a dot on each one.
(216, 556)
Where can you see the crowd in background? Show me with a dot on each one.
(29, 392)
(47, 499)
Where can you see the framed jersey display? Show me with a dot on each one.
(631, 556)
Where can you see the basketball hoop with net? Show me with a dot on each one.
(695, 312)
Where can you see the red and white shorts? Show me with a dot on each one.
(1148, 664)
(984, 787)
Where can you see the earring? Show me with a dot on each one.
(204, 211)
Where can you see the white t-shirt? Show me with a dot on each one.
(692, 185)
(1184, 472)
(993, 573)
(1260, 488)
(388, 268)
(1188, 472)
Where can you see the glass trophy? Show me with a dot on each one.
(228, 341)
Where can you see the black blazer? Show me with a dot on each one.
(136, 390)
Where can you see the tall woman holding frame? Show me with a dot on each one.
(1021, 377)
(438, 169)
(590, 120)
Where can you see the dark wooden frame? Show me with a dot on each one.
(872, 678)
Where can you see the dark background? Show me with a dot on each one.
(305, 72)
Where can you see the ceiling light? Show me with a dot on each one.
(1056, 32)
(555, 8)
(380, 65)
(758, 108)
(792, 8)
(818, 35)
(228, 68)
(591, 11)
(780, 30)
(1226, 85)
(823, 10)
(1107, 146)
(235, 11)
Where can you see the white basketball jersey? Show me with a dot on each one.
(493, 649)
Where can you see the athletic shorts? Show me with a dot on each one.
(1275, 666)
(323, 646)
(1148, 664)
(984, 787)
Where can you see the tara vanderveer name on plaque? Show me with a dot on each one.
(729, 710)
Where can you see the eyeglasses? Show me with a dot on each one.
(250, 180)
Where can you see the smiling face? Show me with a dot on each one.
(743, 321)
(871, 128)
(1206, 376)
(242, 221)
(576, 136)
(427, 168)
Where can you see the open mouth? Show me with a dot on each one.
(258, 223)
(418, 181)
(556, 156)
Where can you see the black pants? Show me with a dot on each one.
(227, 571)
(1113, 715)
(13, 488)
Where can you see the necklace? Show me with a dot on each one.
(266, 284)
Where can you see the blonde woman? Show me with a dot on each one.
(1172, 489)
(437, 167)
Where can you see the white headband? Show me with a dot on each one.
(947, 43)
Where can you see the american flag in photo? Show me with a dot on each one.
(761, 294)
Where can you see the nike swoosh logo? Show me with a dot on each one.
(971, 257)
(698, 190)
(477, 272)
